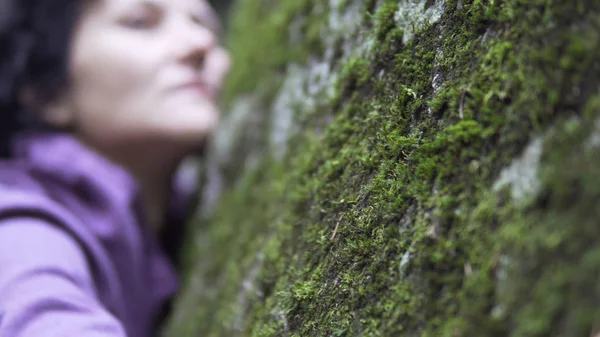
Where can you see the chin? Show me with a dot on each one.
(187, 128)
(192, 139)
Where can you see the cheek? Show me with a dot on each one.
(107, 76)
(218, 63)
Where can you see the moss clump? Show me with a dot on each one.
(382, 219)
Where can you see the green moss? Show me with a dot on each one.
(268, 48)
(386, 223)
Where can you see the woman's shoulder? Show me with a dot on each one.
(19, 188)
(25, 194)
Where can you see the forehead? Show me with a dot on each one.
(111, 8)
(202, 7)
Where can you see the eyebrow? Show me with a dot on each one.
(203, 12)
(207, 15)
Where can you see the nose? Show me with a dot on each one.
(195, 43)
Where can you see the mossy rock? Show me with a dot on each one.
(403, 168)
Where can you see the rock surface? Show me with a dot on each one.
(402, 168)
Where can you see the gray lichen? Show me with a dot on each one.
(522, 174)
(413, 15)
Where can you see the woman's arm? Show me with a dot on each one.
(45, 285)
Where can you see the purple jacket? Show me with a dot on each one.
(75, 257)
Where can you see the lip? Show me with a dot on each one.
(199, 87)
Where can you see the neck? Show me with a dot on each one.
(155, 183)
(153, 172)
(155, 191)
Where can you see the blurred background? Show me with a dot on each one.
(222, 8)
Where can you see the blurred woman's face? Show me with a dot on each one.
(144, 73)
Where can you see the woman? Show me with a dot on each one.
(100, 101)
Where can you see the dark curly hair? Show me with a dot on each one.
(35, 36)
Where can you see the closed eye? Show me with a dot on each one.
(146, 15)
